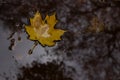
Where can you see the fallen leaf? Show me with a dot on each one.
(43, 30)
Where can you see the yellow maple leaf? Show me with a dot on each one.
(43, 30)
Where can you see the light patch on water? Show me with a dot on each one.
(11, 60)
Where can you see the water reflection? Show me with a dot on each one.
(86, 55)
(19, 54)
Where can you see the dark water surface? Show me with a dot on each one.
(89, 50)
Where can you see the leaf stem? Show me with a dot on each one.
(33, 47)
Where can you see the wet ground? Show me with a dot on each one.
(89, 50)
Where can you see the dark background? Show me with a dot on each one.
(89, 50)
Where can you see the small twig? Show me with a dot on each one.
(11, 35)
(12, 44)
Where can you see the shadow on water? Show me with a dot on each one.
(90, 49)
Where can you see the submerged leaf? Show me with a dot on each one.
(96, 26)
(43, 30)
